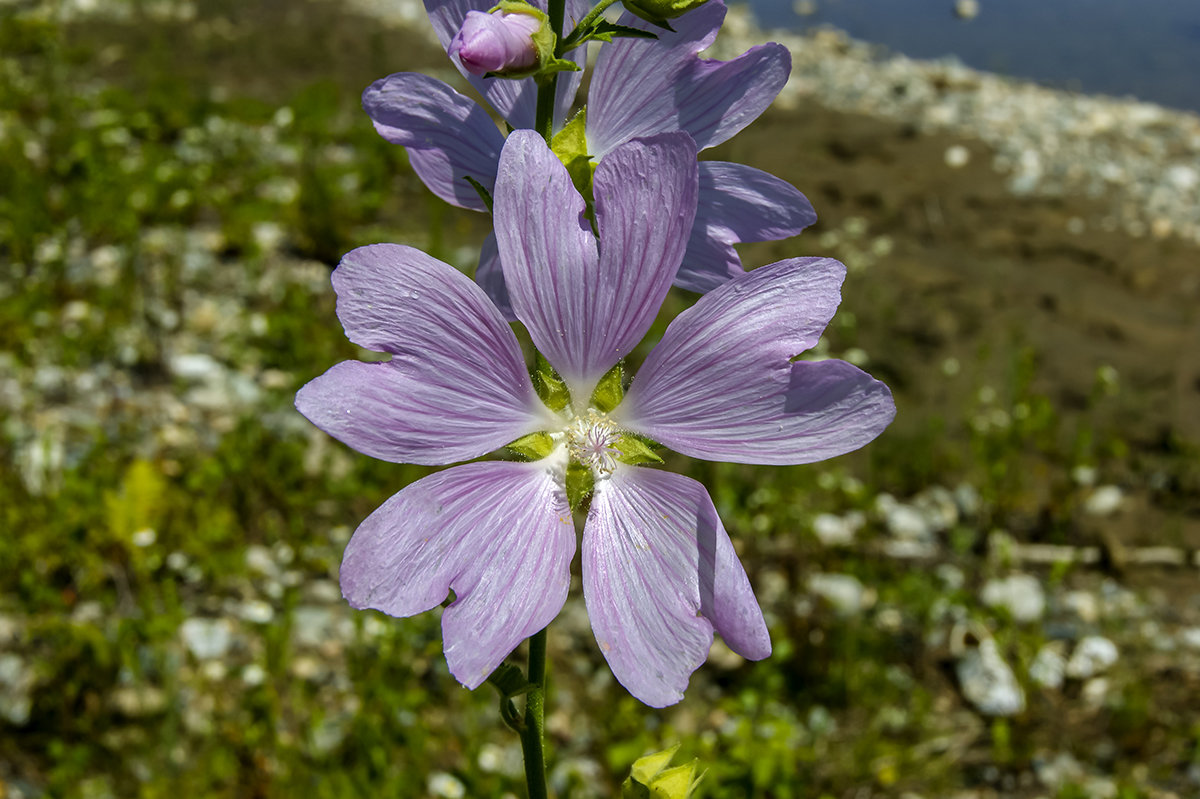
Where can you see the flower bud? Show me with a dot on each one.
(498, 42)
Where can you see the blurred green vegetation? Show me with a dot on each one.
(117, 137)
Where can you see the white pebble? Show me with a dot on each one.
(1092, 655)
(1049, 667)
(957, 156)
(446, 785)
(905, 521)
(988, 682)
(1020, 594)
(207, 638)
(844, 592)
(1104, 501)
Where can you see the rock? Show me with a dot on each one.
(16, 688)
(985, 679)
(1020, 594)
(207, 638)
(832, 530)
(957, 156)
(1104, 501)
(966, 9)
(844, 593)
(1093, 655)
(138, 701)
(1049, 667)
(905, 521)
(446, 786)
(1083, 604)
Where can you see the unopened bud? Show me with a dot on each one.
(499, 42)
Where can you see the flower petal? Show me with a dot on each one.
(457, 385)
(448, 136)
(497, 533)
(642, 87)
(721, 384)
(489, 275)
(659, 575)
(585, 312)
(515, 100)
(737, 203)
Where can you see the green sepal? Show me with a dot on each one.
(510, 681)
(483, 193)
(549, 386)
(647, 11)
(651, 779)
(634, 451)
(534, 446)
(579, 482)
(609, 391)
(544, 41)
(647, 768)
(570, 145)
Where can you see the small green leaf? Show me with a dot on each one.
(647, 768)
(650, 778)
(609, 391)
(534, 446)
(675, 783)
(549, 386)
(580, 483)
(509, 680)
(484, 194)
(605, 31)
(634, 451)
(570, 145)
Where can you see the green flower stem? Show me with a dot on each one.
(584, 24)
(544, 119)
(535, 700)
(535, 710)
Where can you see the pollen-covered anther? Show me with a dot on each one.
(591, 440)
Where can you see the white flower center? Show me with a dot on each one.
(591, 440)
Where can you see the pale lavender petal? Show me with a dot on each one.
(586, 313)
(642, 87)
(497, 533)
(490, 277)
(721, 384)
(659, 575)
(515, 100)
(737, 203)
(448, 136)
(456, 386)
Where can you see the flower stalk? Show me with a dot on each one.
(532, 736)
(532, 733)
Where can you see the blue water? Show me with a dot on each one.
(1148, 49)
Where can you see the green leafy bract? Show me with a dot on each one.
(609, 391)
(549, 386)
(649, 778)
(579, 483)
(635, 450)
(570, 145)
(534, 446)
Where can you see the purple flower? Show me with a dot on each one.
(660, 574)
(495, 42)
(640, 88)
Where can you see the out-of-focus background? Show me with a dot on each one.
(998, 598)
